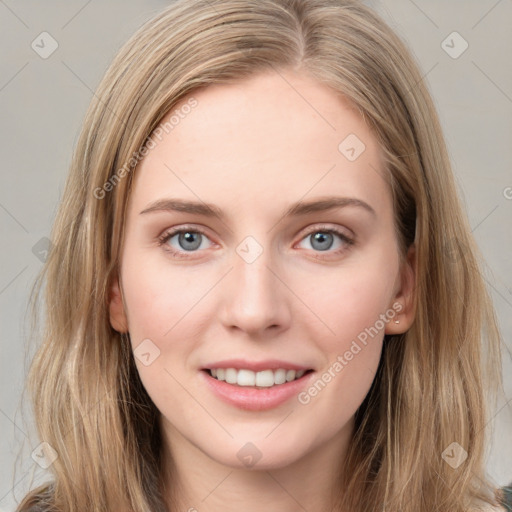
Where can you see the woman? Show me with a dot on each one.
(263, 290)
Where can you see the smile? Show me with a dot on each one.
(262, 379)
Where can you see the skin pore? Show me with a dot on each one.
(253, 150)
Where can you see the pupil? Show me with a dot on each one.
(189, 241)
(321, 238)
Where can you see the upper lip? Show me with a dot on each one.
(256, 366)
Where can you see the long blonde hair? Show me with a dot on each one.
(433, 383)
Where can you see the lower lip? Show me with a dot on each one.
(256, 399)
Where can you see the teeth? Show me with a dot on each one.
(280, 376)
(245, 378)
(264, 379)
(231, 374)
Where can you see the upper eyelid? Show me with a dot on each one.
(325, 227)
(182, 228)
(186, 227)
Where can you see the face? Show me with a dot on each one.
(260, 237)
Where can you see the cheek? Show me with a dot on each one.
(351, 299)
(160, 309)
(352, 306)
(159, 296)
(166, 305)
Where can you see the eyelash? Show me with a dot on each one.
(166, 236)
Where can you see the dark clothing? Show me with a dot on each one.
(507, 497)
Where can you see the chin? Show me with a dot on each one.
(259, 455)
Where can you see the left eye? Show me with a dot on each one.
(323, 239)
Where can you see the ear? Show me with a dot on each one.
(403, 302)
(118, 319)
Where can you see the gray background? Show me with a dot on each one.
(42, 103)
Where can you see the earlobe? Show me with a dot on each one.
(404, 300)
(117, 312)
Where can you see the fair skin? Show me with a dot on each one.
(253, 149)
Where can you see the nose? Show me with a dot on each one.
(256, 301)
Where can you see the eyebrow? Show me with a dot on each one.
(297, 209)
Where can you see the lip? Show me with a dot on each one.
(255, 399)
(256, 366)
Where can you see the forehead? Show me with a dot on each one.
(280, 135)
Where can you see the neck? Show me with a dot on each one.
(195, 482)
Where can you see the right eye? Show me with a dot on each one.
(179, 242)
